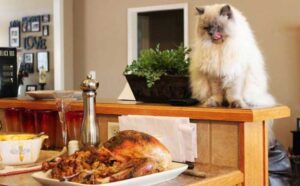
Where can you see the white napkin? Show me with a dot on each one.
(189, 138)
(176, 133)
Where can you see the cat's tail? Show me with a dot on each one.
(261, 100)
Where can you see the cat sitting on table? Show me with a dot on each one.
(227, 65)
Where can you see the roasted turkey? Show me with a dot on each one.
(128, 154)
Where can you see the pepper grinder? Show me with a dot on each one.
(89, 129)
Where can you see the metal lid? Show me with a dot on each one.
(89, 84)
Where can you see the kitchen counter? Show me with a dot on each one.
(105, 106)
(232, 143)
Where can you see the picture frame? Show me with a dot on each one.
(46, 18)
(28, 59)
(28, 25)
(31, 88)
(14, 37)
(35, 26)
(35, 22)
(45, 30)
(24, 25)
(43, 60)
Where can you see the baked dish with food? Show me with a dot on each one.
(129, 154)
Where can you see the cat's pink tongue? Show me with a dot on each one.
(217, 36)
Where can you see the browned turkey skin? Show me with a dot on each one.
(128, 154)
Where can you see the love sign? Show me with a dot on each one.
(31, 42)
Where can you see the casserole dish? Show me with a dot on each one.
(18, 149)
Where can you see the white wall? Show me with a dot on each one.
(15, 10)
(63, 44)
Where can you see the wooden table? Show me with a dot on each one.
(232, 143)
(213, 173)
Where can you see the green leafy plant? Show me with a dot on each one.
(153, 63)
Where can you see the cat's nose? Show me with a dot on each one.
(211, 32)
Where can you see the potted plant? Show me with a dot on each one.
(160, 75)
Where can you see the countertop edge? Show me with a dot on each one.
(114, 107)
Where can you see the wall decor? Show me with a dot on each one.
(24, 24)
(31, 42)
(43, 60)
(28, 60)
(45, 30)
(28, 57)
(28, 27)
(31, 88)
(14, 34)
(35, 24)
(46, 18)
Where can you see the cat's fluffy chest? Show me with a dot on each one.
(220, 62)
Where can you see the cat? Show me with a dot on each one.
(227, 65)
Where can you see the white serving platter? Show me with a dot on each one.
(174, 170)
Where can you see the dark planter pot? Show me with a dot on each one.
(167, 88)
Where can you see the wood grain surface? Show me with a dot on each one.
(216, 176)
(114, 107)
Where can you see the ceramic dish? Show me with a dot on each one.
(52, 94)
(173, 172)
(19, 149)
(41, 94)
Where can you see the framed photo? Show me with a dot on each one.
(28, 27)
(43, 60)
(46, 18)
(28, 57)
(31, 88)
(28, 60)
(14, 37)
(35, 26)
(45, 30)
(24, 26)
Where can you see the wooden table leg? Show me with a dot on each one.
(253, 153)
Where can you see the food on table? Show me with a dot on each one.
(19, 149)
(13, 137)
(128, 154)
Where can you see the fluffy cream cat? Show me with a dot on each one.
(226, 63)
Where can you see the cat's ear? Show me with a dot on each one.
(200, 10)
(226, 11)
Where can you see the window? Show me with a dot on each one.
(148, 26)
(164, 27)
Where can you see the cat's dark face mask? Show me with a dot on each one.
(215, 31)
(213, 27)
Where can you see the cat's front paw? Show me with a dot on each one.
(238, 104)
(210, 102)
